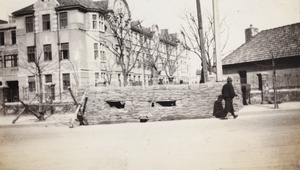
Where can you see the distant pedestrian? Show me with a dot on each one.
(218, 107)
(228, 94)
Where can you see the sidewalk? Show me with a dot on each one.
(30, 120)
(64, 119)
(270, 107)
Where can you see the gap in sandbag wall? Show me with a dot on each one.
(116, 104)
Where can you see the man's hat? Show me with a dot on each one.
(229, 80)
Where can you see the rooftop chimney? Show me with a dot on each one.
(250, 33)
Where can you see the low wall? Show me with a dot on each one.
(192, 102)
(284, 95)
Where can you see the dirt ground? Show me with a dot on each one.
(268, 140)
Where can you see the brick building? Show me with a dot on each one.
(251, 63)
(57, 39)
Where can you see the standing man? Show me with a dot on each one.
(228, 94)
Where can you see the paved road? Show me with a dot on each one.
(269, 140)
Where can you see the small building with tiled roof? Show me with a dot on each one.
(252, 63)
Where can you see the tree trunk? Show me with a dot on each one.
(41, 111)
(274, 83)
(202, 76)
(125, 77)
(153, 76)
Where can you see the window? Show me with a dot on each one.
(96, 52)
(31, 83)
(66, 81)
(64, 51)
(102, 52)
(97, 76)
(103, 76)
(101, 23)
(2, 40)
(10, 61)
(103, 66)
(47, 52)
(48, 78)
(96, 79)
(31, 54)
(63, 17)
(139, 63)
(94, 21)
(1, 65)
(46, 22)
(13, 37)
(29, 24)
(118, 61)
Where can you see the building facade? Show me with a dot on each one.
(9, 59)
(268, 59)
(63, 44)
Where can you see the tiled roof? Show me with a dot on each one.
(3, 22)
(87, 5)
(282, 42)
(136, 26)
(24, 11)
(165, 37)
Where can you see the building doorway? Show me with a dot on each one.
(245, 87)
(243, 77)
(260, 85)
(12, 91)
(50, 92)
(259, 82)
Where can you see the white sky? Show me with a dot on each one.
(263, 14)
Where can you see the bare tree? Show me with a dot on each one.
(108, 65)
(190, 33)
(72, 65)
(150, 60)
(122, 43)
(38, 62)
(270, 64)
(150, 56)
(171, 54)
(274, 81)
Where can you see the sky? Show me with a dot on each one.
(167, 14)
(239, 14)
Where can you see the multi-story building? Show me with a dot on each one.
(9, 59)
(62, 43)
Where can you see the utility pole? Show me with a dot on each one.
(217, 41)
(201, 38)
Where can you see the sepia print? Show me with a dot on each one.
(149, 84)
